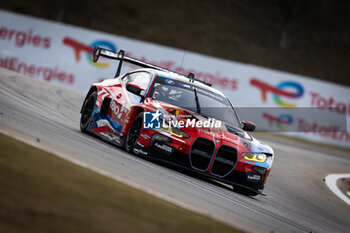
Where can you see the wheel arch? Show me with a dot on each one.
(92, 89)
(135, 110)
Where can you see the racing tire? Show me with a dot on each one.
(87, 111)
(134, 132)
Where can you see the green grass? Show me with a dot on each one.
(40, 192)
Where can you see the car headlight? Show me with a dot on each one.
(178, 132)
(174, 131)
(257, 157)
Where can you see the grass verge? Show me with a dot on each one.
(40, 192)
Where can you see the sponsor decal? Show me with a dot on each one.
(43, 72)
(306, 126)
(118, 110)
(103, 122)
(254, 177)
(218, 135)
(329, 103)
(163, 147)
(140, 151)
(258, 149)
(281, 122)
(169, 81)
(279, 91)
(24, 38)
(103, 93)
(184, 85)
(79, 47)
(334, 132)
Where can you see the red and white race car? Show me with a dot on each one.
(167, 116)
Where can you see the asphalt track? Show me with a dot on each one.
(297, 199)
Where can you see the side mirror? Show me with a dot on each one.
(135, 89)
(248, 126)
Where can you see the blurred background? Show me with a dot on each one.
(306, 37)
(310, 38)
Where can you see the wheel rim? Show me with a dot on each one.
(134, 132)
(87, 111)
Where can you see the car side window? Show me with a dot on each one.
(141, 79)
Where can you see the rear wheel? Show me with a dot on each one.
(134, 132)
(87, 110)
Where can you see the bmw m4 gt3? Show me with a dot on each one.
(163, 115)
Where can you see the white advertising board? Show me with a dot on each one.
(61, 54)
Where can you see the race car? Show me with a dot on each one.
(163, 115)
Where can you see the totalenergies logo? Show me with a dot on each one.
(281, 121)
(279, 91)
(79, 47)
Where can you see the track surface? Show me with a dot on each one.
(297, 200)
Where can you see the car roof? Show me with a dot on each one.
(182, 78)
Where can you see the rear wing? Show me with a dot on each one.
(98, 51)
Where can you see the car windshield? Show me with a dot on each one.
(203, 101)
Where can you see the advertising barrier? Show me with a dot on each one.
(61, 54)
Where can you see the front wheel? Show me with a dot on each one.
(87, 110)
(134, 132)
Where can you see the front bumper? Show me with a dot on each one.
(236, 172)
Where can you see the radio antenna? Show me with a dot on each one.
(182, 62)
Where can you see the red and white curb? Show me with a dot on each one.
(331, 181)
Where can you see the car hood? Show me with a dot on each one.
(226, 133)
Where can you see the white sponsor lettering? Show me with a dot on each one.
(209, 123)
(117, 110)
(163, 147)
(140, 151)
(254, 177)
